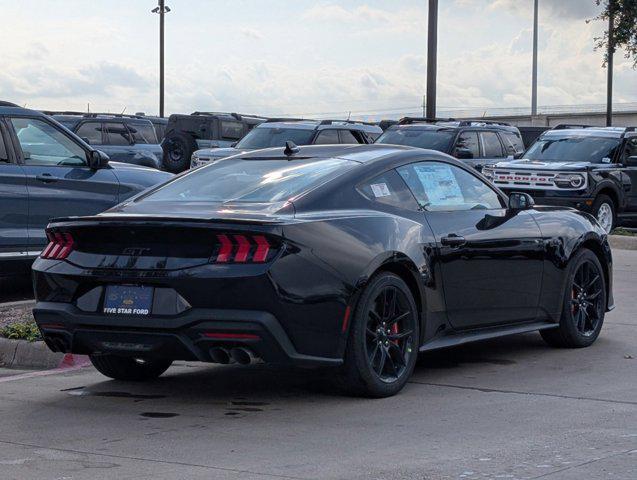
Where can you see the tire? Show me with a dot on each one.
(128, 368)
(178, 148)
(580, 323)
(381, 331)
(605, 211)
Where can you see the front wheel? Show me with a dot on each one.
(584, 304)
(382, 346)
(604, 211)
(128, 368)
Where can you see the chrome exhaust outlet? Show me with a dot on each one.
(220, 355)
(242, 356)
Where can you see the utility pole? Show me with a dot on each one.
(432, 54)
(609, 62)
(534, 73)
(161, 9)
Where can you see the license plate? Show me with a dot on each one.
(128, 300)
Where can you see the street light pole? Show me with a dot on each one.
(534, 73)
(609, 63)
(161, 9)
(432, 47)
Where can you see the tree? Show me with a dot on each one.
(624, 14)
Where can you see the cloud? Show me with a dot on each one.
(550, 10)
(251, 33)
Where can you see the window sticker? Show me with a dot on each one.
(440, 184)
(380, 190)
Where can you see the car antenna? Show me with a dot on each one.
(290, 149)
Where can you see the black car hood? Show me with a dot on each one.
(526, 164)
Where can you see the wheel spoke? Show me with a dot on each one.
(398, 318)
(592, 282)
(593, 296)
(370, 333)
(374, 315)
(381, 363)
(401, 355)
(400, 335)
(391, 363)
(373, 355)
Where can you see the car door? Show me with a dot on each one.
(629, 160)
(491, 259)
(350, 137)
(14, 208)
(58, 180)
(119, 144)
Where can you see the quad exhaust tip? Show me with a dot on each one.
(239, 355)
(242, 356)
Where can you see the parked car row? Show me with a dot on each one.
(47, 171)
(275, 132)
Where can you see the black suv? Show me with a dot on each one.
(274, 132)
(124, 138)
(476, 142)
(593, 169)
(187, 133)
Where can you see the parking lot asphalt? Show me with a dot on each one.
(510, 408)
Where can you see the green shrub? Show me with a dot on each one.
(21, 331)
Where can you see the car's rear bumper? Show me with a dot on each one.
(187, 336)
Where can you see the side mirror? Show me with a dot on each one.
(463, 153)
(233, 144)
(520, 201)
(631, 161)
(97, 159)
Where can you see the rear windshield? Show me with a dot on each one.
(266, 137)
(415, 137)
(552, 148)
(250, 180)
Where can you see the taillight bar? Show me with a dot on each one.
(241, 249)
(59, 247)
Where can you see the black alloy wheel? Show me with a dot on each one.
(389, 331)
(382, 345)
(584, 304)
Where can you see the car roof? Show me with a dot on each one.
(600, 132)
(7, 109)
(321, 125)
(364, 154)
(102, 118)
(454, 125)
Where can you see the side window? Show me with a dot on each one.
(44, 144)
(231, 130)
(389, 189)
(491, 145)
(91, 131)
(327, 137)
(467, 143)
(142, 132)
(117, 134)
(349, 137)
(442, 187)
(631, 148)
(4, 155)
(512, 143)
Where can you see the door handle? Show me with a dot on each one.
(453, 240)
(46, 178)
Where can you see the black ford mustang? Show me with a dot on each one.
(356, 257)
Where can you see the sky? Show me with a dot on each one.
(322, 58)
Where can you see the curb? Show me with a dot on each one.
(35, 355)
(19, 303)
(623, 242)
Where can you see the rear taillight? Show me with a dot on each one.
(59, 247)
(242, 249)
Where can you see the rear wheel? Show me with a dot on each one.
(178, 149)
(584, 304)
(128, 368)
(382, 346)
(604, 211)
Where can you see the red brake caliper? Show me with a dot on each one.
(394, 331)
